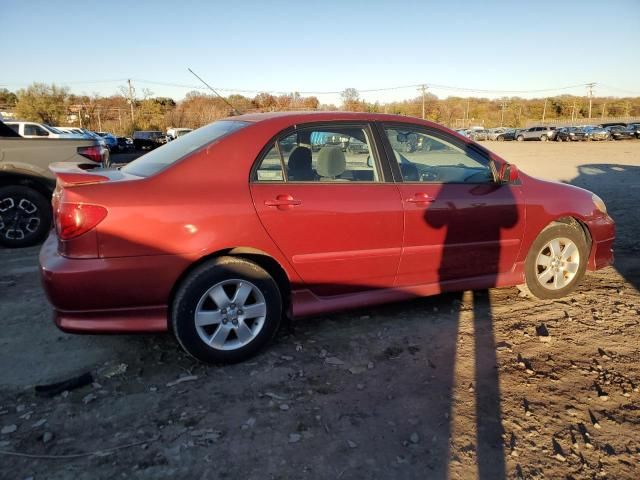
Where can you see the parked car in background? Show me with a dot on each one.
(71, 130)
(613, 124)
(110, 139)
(174, 133)
(570, 134)
(124, 144)
(502, 134)
(537, 133)
(617, 132)
(38, 130)
(228, 237)
(26, 183)
(595, 133)
(356, 146)
(479, 135)
(148, 139)
(635, 128)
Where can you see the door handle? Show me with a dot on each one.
(283, 201)
(420, 198)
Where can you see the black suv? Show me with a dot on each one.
(148, 139)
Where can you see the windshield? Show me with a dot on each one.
(162, 157)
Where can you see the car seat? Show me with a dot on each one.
(299, 165)
(331, 164)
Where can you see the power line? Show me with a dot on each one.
(337, 92)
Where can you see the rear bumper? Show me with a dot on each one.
(125, 294)
(603, 232)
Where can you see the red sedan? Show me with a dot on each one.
(221, 233)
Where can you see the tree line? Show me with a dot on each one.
(122, 113)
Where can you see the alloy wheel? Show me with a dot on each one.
(19, 218)
(557, 263)
(230, 314)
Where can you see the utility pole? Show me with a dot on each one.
(99, 122)
(467, 113)
(590, 87)
(604, 109)
(503, 105)
(120, 118)
(80, 115)
(423, 89)
(573, 111)
(131, 98)
(544, 109)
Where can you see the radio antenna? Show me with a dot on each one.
(235, 110)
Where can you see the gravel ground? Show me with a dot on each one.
(489, 385)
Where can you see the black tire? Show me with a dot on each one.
(543, 138)
(554, 231)
(520, 138)
(25, 216)
(196, 285)
(558, 138)
(500, 138)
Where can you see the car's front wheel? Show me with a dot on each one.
(556, 261)
(25, 216)
(226, 310)
(520, 138)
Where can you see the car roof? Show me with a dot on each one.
(315, 116)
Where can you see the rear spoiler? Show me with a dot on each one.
(76, 173)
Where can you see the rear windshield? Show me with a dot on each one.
(162, 157)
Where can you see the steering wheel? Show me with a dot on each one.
(430, 174)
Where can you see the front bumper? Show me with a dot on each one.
(603, 233)
(97, 295)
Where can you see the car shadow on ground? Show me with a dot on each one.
(607, 181)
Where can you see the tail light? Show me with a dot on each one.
(95, 153)
(74, 219)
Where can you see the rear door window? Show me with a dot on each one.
(329, 153)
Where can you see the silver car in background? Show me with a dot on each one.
(537, 133)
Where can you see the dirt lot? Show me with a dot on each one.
(490, 386)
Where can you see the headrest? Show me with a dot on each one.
(299, 159)
(331, 162)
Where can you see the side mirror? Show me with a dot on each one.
(508, 173)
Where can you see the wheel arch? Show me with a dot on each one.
(259, 257)
(41, 185)
(576, 223)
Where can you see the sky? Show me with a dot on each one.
(305, 46)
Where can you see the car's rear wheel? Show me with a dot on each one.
(226, 310)
(520, 138)
(500, 139)
(543, 138)
(556, 261)
(25, 216)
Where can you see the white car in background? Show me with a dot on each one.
(174, 133)
(39, 130)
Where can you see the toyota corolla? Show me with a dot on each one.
(222, 233)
